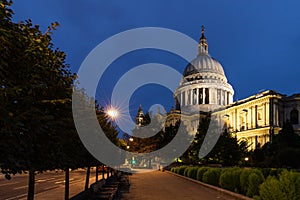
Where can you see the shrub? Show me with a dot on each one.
(286, 187)
(255, 179)
(290, 182)
(200, 173)
(266, 172)
(249, 184)
(276, 172)
(185, 172)
(244, 180)
(230, 179)
(271, 189)
(174, 169)
(192, 172)
(212, 176)
(181, 169)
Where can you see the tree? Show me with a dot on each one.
(228, 151)
(36, 124)
(35, 91)
(283, 150)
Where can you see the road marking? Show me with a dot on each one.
(17, 197)
(50, 188)
(63, 181)
(8, 183)
(43, 180)
(24, 186)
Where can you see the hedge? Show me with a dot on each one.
(287, 187)
(181, 169)
(230, 179)
(279, 184)
(255, 179)
(192, 172)
(200, 173)
(212, 176)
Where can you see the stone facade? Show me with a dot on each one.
(204, 90)
(256, 118)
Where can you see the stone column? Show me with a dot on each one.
(255, 117)
(197, 96)
(203, 96)
(181, 99)
(186, 97)
(267, 114)
(191, 96)
(251, 117)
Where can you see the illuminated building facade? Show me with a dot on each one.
(204, 88)
(255, 119)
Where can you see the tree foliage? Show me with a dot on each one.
(35, 90)
(283, 150)
(228, 151)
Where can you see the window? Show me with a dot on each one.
(206, 96)
(259, 115)
(294, 116)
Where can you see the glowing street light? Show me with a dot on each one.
(113, 113)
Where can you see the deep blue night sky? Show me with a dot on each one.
(257, 42)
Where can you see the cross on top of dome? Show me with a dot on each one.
(203, 46)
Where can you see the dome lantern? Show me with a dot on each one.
(203, 46)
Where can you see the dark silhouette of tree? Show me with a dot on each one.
(36, 123)
(282, 152)
(228, 151)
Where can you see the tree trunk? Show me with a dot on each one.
(30, 195)
(97, 173)
(67, 182)
(87, 179)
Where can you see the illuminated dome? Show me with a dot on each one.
(204, 85)
(204, 63)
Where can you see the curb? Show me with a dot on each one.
(235, 195)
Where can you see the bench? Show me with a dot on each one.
(104, 189)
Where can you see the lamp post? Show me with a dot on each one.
(112, 113)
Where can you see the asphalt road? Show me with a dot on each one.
(48, 185)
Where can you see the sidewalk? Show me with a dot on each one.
(164, 186)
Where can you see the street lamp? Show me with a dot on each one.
(112, 112)
(129, 142)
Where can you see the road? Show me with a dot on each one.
(49, 185)
(164, 186)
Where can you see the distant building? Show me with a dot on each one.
(204, 87)
(140, 117)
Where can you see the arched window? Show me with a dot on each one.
(294, 116)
